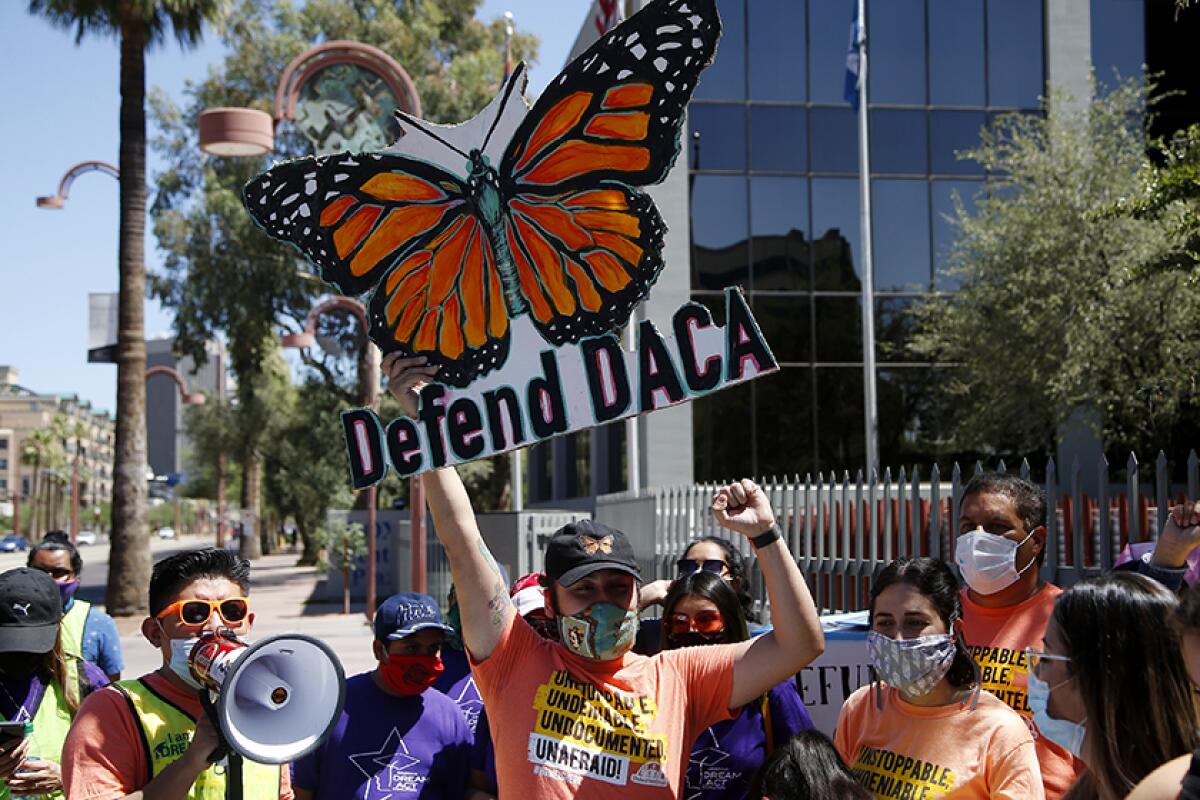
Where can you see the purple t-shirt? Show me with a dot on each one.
(466, 695)
(389, 748)
(456, 668)
(725, 757)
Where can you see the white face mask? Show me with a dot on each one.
(989, 562)
(181, 650)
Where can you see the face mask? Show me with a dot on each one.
(913, 666)
(409, 675)
(603, 631)
(20, 665)
(67, 590)
(988, 562)
(694, 639)
(1064, 733)
(181, 650)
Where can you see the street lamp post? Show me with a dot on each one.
(57, 200)
(368, 369)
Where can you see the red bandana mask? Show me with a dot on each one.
(410, 675)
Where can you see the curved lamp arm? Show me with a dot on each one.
(308, 337)
(58, 200)
(187, 397)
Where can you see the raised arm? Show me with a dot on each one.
(482, 592)
(796, 638)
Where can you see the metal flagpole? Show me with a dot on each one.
(870, 413)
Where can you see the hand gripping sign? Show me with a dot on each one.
(508, 249)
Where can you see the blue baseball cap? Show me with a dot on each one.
(406, 613)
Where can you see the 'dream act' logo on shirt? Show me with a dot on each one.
(1004, 673)
(891, 775)
(584, 731)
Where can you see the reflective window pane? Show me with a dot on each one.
(785, 320)
(839, 329)
(1015, 64)
(720, 254)
(954, 132)
(828, 42)
(944, 229)
(779, 225)
(725, 78)
(718, 136)
(897, 51)
(836, 236)
(904, 403)
(720, 423)
(956, 53)
(784, 422)
(777, 69)
(1118, 39)
(900, 217)
(834, 135)
(778, 139)
(840, 418)
(894, 329)
(898, 142)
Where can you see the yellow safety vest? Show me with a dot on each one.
(166, 733)
(71, 628)
(51, 722)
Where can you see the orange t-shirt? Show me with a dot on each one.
(997, 637)
(570, 727)
(950, 751)
(103, 757)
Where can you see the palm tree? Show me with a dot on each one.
(138, 24)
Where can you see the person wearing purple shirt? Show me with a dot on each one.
(700, 608)
(397, 737)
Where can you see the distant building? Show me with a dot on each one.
(167, 445)
(88, 444)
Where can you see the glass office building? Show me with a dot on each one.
(772, 197)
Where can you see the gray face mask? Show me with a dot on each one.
(913, 666)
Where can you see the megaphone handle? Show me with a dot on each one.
(233, 777)
(210, 711)
(233, 774)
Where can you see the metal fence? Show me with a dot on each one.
(843, 531)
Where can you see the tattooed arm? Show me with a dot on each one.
(482, 592)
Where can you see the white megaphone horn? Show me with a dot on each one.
(277, 699)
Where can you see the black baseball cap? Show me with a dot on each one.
(406, 613)
(578, 549)
(30, 610)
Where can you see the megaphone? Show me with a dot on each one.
(277, 699)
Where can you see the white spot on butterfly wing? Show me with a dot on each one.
(638, 51)
(631, 38)
(670, 46)
(304, 212)
(670, 87)
(669, 29)
(603, 69)
(291, 198)
(623, 74)
(660, 64)
(310, 187)
(339, 177)
(331, 193)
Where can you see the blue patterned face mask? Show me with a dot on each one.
(914, 666)
(602, 631)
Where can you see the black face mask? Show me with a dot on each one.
(20, 665)
(694, 639)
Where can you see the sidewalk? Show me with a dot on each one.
(279, 594)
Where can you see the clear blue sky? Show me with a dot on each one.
(60, 104)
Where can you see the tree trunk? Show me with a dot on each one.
(311, 553)
(129, 559)
(250, 546)
(55, 500)
(345, 588)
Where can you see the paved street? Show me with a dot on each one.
(279, 598)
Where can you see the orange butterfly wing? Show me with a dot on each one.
(586, 243)
(403, 228)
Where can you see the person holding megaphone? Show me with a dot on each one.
(149, 737)
(397, 737)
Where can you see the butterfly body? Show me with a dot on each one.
(553, 226)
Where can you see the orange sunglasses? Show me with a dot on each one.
(195, 613)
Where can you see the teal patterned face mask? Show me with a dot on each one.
(603, 631)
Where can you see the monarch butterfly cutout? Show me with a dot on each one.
(557, 230)
(591, 544)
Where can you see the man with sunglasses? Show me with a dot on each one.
(149, 737)
(585, 717)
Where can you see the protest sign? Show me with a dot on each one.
(510, 249)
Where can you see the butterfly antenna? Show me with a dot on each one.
(405, 118)
(516, 79)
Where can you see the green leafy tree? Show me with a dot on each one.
(137, 25)
(306, 470)
(1052, 317)
(342, 546)
(1169, 192)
